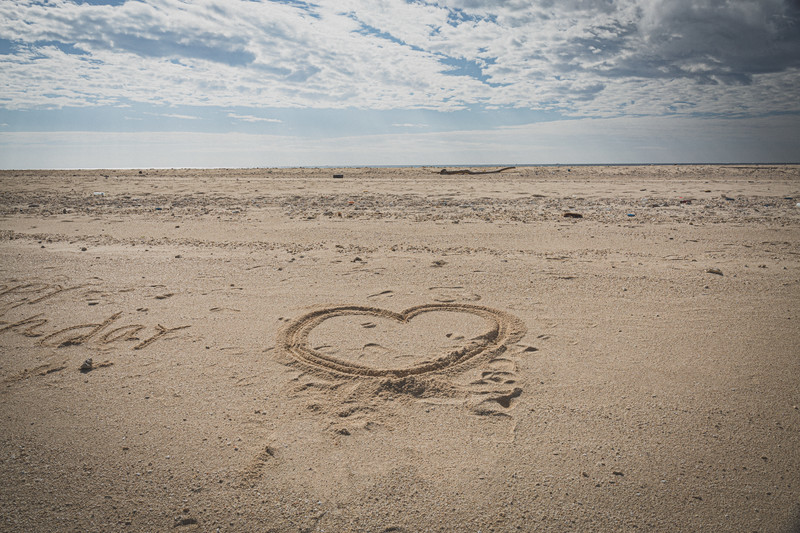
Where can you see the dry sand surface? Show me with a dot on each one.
(278, 350)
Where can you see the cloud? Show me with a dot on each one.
(174, 115)
(408, 125)
(251, 118)
(719, 42)
(576, 57)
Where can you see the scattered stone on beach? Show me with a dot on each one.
(572, 215)
(525, 206)
(185, 521)
(716, 271)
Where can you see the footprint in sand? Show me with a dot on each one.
(494, 403)
(385, 295)
(375, 352)
(453, 294)
(498, 386)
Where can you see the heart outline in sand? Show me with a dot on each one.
(293, 339)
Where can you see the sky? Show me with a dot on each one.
(249, 83)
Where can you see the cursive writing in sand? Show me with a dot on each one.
(100, 333)
(109, 330)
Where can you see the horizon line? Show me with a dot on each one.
(482, 165)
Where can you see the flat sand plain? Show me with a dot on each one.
(397, 350)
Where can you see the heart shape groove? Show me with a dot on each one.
(504, 329)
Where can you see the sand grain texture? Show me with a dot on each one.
(398, 350)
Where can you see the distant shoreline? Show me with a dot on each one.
(436, 166)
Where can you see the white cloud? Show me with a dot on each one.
(251, 118)
(578, 57)
(174, 115)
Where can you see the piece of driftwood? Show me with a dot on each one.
(472, 172)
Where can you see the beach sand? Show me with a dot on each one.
(397, 350)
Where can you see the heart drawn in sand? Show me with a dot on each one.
(503, 329)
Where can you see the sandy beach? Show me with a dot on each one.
(542, 349)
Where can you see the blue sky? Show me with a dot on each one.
(241, 83)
